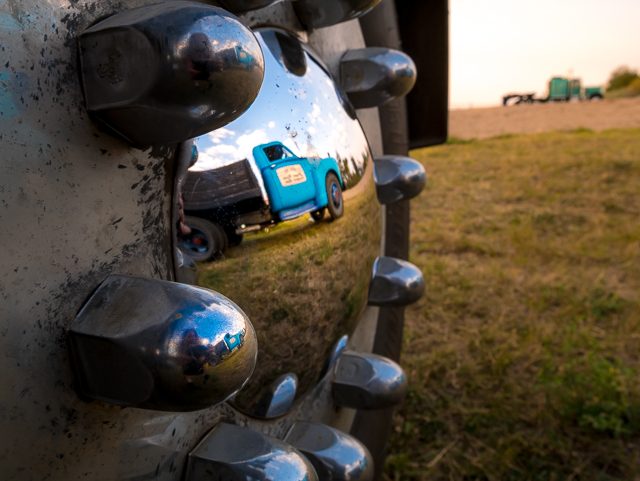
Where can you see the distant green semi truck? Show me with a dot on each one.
(561, 89)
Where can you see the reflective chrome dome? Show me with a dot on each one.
(298, 150)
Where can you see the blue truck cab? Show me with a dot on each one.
(296, 186)
(244, 57)
(234, 342)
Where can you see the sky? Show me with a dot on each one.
(502, 46)
(303, 112)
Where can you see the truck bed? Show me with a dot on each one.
(221, 187)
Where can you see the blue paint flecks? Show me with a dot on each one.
(8, 22)
(14, 93)
(8, 108)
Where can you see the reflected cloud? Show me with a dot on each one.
(304, 112)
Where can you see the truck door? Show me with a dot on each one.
(288, 179)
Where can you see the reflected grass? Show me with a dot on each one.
(523, 355)
(303, 284)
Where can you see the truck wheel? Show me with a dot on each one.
(334, 195)
(205, 241)
(147, 447)
(233, 238)
(318, 215)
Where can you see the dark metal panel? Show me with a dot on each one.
(424, 32)
(221, 187)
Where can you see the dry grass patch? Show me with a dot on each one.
(303, 285)
(523, 355)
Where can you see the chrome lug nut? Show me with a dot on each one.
(234, 453)
(336, 456)
(186, 269)
(165, 73)
(368, 381)
(374, 76)
(161, 345)
(395, 282)
(398, 178)
(338, 349)
(278, 398)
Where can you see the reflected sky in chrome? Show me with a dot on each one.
(304, 112)
(302, 281)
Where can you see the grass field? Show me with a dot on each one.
(523, 355)
(277, 277)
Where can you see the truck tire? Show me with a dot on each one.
(206, 240)
(233, 238)
(129, 194)
(318, 215)
(335, 204)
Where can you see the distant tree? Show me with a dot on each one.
(621, 78)
(634, 87)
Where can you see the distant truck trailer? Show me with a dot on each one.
(561, 89)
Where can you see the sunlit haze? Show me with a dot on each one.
(501, 46)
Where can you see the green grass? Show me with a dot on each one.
(277, 277)
(523, 355)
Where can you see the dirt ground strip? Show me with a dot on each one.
(489, 122)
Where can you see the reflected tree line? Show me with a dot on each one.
(352, 170)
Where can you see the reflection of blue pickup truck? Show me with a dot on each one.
(223, 204)
(235, 341)
(244, 57)
(297, 186)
